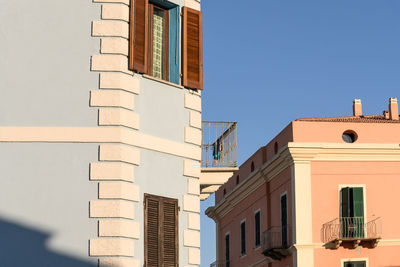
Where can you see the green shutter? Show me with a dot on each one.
(345, 194)
(358, 207)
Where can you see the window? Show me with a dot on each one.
(158, 42)
(355, 264)
(352, 212)
(284, 233)
(227, 250)
(160, 231)
(349, 136)
(252, 166)
(237, 179)
(155, 42)
(243, 238)
(257, 226)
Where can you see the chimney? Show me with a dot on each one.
(386, 114)
(393, 109)
(357, 108)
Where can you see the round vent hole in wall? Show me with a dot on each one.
(349, 136)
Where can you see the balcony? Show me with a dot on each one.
(218, 144)
(276, 242)
(218, 157)
(220, 264)
(351, 232)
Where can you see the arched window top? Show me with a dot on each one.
(276, 147)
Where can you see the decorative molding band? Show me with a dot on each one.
(110, 28)
(193, 102)
(193, 221)
(193, 136)
(191, 203)
(195, 119)
(112, 98)
(118, 262)
(115, 12)
(98, 135)
(112, 247)
(304, 153)
(191, 168)
(193, 186)
(194, 256)
(103, 171)
(114, 46)
(191, 238)
(119, 228)
(111, 209)
(119, 190)
(126, 2)
(116, 80)
(113, 63)
(122, 153)
(118, 117)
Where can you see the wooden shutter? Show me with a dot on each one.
(192, 48)
(152, 231)
(138, 41)
(170, 233)
(161, 231)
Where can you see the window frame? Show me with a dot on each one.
(243, 250)
(228, 249)
(366, 260)
(255, 229)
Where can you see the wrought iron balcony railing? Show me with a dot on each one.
(352, 229)
(276, 242)
(220, 264)
(218, 144)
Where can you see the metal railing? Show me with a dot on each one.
(218, 144)
(220, 264)
(278, 237)
(351, 228)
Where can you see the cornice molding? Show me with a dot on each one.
(305, 153)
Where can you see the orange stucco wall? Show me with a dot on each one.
(331, 132)
(382, 183)
(245, 210)
(387, 256)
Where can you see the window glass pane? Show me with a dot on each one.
(158, 43)
(243, 237)
(257, 228)
(227, 248)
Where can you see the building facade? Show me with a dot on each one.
(100, 132)
(321, 193)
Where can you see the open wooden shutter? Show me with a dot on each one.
(170, 233)
(192, 48)
(358, 207)
(152, 231)
(138, 41)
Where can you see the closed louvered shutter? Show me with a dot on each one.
(138, 36)
(152, 218)
(170, 232)
(192, 48)
(161, 231)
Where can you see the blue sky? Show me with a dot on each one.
(268, 62)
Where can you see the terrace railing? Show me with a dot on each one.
(276, 242)
(218, 144)
(354, 229)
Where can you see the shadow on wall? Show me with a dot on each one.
(21, 246)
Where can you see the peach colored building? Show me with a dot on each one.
(322, 193)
